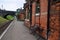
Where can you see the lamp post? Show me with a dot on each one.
(2, 10)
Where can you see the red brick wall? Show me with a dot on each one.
(37, 19)
(43, 19)
(27, 22)
(33, 13)
(54, 22)
(43, 16)
(21, 16)
(43, 5)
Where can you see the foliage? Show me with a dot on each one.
(10, 17)
(2, 20)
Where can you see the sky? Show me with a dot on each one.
(11, 4)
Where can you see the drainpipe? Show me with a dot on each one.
(48, 17)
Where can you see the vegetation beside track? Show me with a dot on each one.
(2, 20)
(9, 17)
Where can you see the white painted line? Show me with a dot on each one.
(6, 30)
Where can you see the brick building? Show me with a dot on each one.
(20, 14)
(27, 14)
(45, 14)
(54, 23)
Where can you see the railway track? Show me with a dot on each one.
(4, 26)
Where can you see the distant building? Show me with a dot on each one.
(20, 14)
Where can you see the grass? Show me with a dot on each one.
(2, 20)
(10, 17)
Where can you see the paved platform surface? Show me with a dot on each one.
(18, 32)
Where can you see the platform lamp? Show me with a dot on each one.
(2, 10)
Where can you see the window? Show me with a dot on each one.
(28, 16)
(37, 8)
